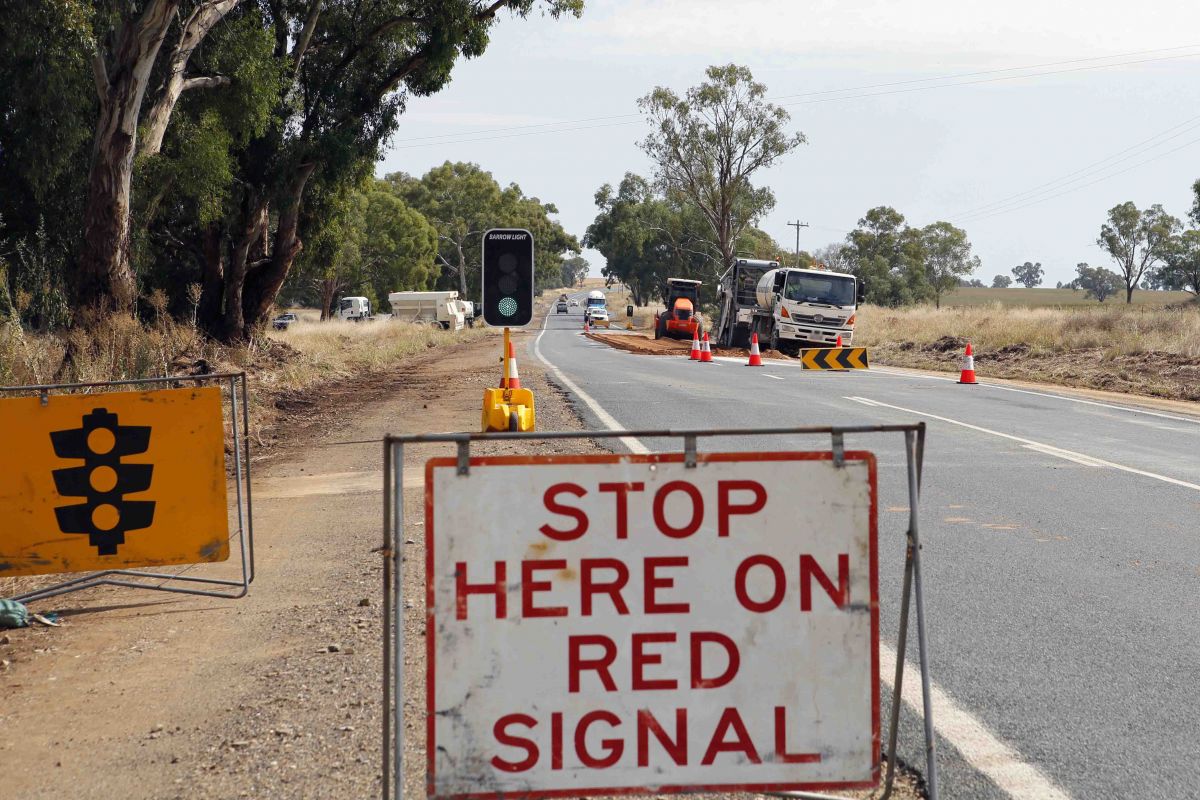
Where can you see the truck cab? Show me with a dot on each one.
(809, 308)
(596, 310)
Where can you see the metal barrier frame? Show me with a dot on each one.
(179, 582)
(393, 580)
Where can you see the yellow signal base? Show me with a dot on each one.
(508, 410)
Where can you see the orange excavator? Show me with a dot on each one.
(681, 319)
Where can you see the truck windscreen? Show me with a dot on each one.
(834, 290)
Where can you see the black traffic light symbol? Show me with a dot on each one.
(102, 480)
(507, 277)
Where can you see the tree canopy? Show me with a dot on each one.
(708, 143)
(1028, 274)
(203, 142)
(1137, 241)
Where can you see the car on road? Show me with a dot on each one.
(574, 303)
(562, 307)
(282, 322)
(597, 315)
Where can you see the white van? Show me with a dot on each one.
(355, 309)
(432, 308)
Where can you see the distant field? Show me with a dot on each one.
(1037, 298)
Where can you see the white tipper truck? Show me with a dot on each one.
(789, 308)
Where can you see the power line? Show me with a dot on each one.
(1083, 173)
(1188, 125)
(529, 130)
(1085, 185)
(957, 75)
(991, 80)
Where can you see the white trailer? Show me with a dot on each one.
(430, 308)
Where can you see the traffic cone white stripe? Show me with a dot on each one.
(514, 379)
(967, 375)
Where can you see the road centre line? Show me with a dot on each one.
(1041, 447)
(768, 375)
(981, 749)
(1086, 461)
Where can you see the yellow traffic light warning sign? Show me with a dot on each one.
(112, 481)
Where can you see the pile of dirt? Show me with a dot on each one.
(1153, 373)
(647, 346)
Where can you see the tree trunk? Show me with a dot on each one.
(263, 283)
(208, 312)
(105, 277)
(329, 288)
(462, 271)
(233, 322)
(195, 29)
(1128, 294)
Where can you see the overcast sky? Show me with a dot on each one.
(977, 154)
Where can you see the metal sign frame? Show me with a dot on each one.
(178, 582)
(393, 601)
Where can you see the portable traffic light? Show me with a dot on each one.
(105, 516)
(508, 277)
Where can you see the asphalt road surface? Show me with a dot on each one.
(1061, 556)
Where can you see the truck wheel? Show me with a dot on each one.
(514, 422)
(773, 342)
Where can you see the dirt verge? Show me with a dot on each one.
(1149, 373)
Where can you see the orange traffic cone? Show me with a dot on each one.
(755, 356)
(705, 351)
(968, 367)
(695, 354)
(512, 380)
(839, 341)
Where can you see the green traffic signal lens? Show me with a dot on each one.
(507, 306)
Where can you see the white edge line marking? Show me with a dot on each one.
(983, 751)
(606, 419)
(1070, 455)
(964, 732)
(1054, 451)
(768, 375)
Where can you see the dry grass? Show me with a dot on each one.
(1143, 349)
(1040, 297)
(1116, 329)
(336, 350)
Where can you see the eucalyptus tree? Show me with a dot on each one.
(707, 144)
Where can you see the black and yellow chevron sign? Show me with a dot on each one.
(835, 358)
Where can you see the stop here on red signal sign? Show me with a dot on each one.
(628, 624)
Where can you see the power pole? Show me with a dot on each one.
(798, 225)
